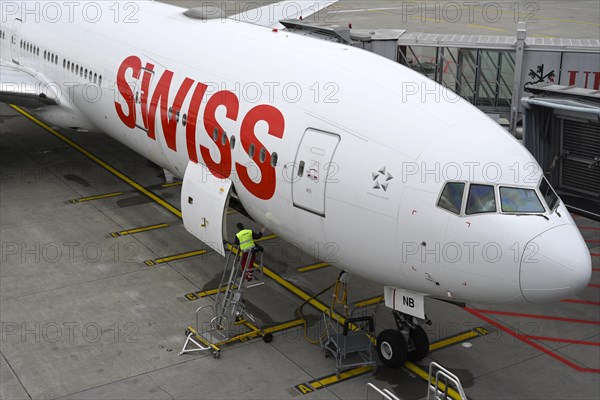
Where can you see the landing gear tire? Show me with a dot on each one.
(420, 344)
(392, 348)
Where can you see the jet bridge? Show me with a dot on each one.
(562, 131)
(492, 71)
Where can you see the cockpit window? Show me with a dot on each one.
(548, 193)
(451, 198)
(481, 199)
(520, 200)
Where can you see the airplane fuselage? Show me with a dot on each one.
(335, 149)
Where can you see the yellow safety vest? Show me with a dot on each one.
(245, 238)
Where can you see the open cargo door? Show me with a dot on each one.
(204, 200)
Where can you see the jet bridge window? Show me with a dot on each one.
(481, 199)
(520, 200)
(451, 198)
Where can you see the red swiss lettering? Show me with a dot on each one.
(192, 120)
(221, 169)
(135, 64)
(265, 188)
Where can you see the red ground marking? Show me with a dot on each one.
(524, 339)
(548, 317)
(589, 228)
(592, 240)
(596, 285)
(595, 269)
(560, 340)
(592, 303)
(594, 255)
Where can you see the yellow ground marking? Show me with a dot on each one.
(320, 383)
(175, 257)
(196, 295)
(489, 28)
(368, 302)
(167, 185)
(452, 340)
(100, 162)
(312, 267)
(97, 197)
(138, 230)
(543, 36)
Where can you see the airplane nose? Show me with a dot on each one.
(555, 264)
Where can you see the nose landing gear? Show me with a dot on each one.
(408, 342)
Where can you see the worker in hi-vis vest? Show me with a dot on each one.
(245, 240)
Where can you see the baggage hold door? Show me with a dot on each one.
(204, 200)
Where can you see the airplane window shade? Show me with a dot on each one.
(520, 200)
(481, 199)
(548, 193)
(451, 198)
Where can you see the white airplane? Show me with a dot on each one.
(388, 174)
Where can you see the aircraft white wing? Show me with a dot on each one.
(270, 15)
(21, 88)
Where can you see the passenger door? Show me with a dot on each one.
(14, 41)
(312, 169)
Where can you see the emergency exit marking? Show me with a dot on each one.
(304, 388)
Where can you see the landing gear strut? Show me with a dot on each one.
(408, 342)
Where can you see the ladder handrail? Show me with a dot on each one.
(450, 377)
(385, 394)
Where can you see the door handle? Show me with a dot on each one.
(203, 222)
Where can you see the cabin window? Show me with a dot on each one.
(224, 138)
(274, 158)
(452, 196)
(232, 142)
(549, 194)
(481, 199)
(520, 200)
(77, 70)
(215, 135)
(64, 64)
(184, 120)
(262, 156)
(177, 116)
(251, 150)
(100, 80)
(95, 78)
